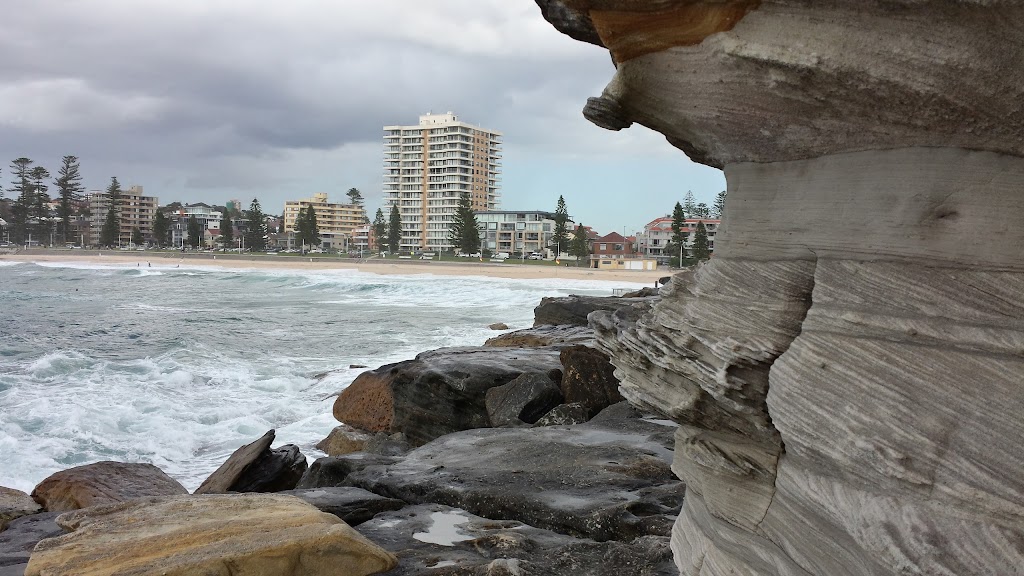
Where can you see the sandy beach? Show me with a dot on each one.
(490, 269)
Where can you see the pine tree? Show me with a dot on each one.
(355, 196)
(718, 208)
(395, 230)
(110, 233)
(702, 211)
(700, 243)
(380, 228)
(21, 192)
(579, 246)
(69, 186)
(464, 231)
(195, 232)
(312, 228)
(677, 247)
(256, 228)
(137, 237)
(689, 203)
(227, 231)
(40, 212)
(560, 235)
(161, 229)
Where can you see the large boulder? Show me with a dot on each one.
(545, 335)
(15, 504)
(523, 400)
(573, 310)
(565, 415)
(439, 392)
(588, 378)
(607, 481)
(431, 539)
(847, 368)
(343, 440)
(103, 483)
(353, 505)
(240, 534)
(256, 467)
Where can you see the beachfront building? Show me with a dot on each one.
(518, 231)
(336, 222)
(209, 221)
(137, 211)
(427, 168)
(657, 234)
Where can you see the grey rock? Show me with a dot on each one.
(21, 536)
(605, 482)
(438, 392)
(225, 476)
(573, 310)
(546, 335)
(353, 505)
(565, 415)
(588, 378)
(485, 547)
(334, 471)
(524, 399)
(273, 471)
(15, 504)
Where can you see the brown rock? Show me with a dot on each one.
(343, 440)
(498, 326)
(238, 534)
(588, 378)
(103, 483)
(540, 336)
(15, 504)
(233, 468)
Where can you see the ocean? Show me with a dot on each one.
(178, 367)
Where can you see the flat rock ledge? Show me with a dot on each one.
(237, 534)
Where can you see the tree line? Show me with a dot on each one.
(29, 211)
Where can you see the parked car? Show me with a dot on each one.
(536, 256)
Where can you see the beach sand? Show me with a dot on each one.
(490, 269)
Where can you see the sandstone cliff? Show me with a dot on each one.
(848, 371)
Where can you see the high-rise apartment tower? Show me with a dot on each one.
(427, 168)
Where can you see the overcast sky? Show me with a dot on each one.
(208, 100)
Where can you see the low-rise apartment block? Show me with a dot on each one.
(523, 231)
(657, 235)
(137, 211)
(337, 222)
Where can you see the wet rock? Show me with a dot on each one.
(103, 483)
(15, 504)
(573, 310)
(334, 471)
(589, 378)
(343, 440)
(355, 366)
(546, 335)
(565, 415)
(606, 482)
(21, 536)
(244, 534)
(644, 292)
(498, 326)
(353, 505)
(434, 540)
(273, 471)
(256, 468)
(524, 399)
(438, 392)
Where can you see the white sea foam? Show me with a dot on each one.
(182, 367)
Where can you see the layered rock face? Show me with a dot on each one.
(848, 370)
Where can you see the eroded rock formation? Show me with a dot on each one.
(848, 370)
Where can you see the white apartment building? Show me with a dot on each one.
(208, 218)
(657, 234)
(524, 231)
(427, 167)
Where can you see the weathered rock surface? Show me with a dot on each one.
(21, 536)
(353, 505)
(523, 400)
(565, 415)
(343, 440)
(588, 378)
(573, 310)
(255, 467)
(242, 534)
(334, 470)
(103, 483)
(15, 504)
(425, 545)
(545, 335)
(498, 326)
(608, 481)
(846, 369)
(439, 392)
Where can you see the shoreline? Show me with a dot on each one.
(388, 267)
